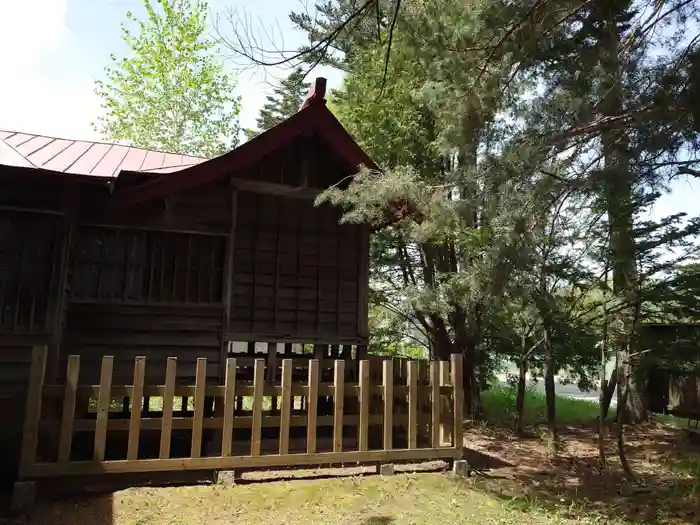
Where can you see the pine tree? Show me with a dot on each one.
(284, 101)
(581, 96)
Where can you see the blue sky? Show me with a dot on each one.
(52, 51)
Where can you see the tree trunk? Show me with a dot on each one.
(607, 390)
(520, 398)
(622, 397)
(550, 393)
(635, 408)
(618, 192)
(472, 392)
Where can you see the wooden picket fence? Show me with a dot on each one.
(418, 409)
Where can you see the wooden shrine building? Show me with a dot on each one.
(108, 249)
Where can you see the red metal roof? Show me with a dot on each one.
(313, 116)
(82, 157)
(176, 172)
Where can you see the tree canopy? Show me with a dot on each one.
(170, 92)
(283, 102)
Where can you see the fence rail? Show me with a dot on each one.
(407, 412)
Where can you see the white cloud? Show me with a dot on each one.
(34, 98)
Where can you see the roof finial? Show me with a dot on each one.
(317, 93)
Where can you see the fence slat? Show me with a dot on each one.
(258, 385)
(312, 406)
(229, 406)
(272, 372)
(198, 420)
(412, 404)
(445, 408)
(285, 405)
(103, 401)
(363, 427)
(435, 404)
(388, 382)
(458, 400)
(338, 405)
(132, 451)
(32, 411)
(168, 400)
(65, 440)
(76, 468)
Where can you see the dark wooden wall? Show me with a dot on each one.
(127, 331)
(180, 276)
(296, 272)
(30, 245)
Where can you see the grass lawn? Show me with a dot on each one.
(499, 405)
(526, 486)
(423, 498)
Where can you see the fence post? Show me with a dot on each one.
(312, 406)
(229, 406)
(103, 401)
(258, 386)
(445, 408)
(285, 406)
(338, 405)
(363, 427)
(32, 411)
(458, 400)
(412, 404)
(200, 386)
(132, 451)
(168, 399)
(434, 404)
(68, 412)
(388, 380)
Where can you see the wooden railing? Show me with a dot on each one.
(412, 413)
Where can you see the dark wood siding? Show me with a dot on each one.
(295, 271)
(28, 245)
(113, 264)
(128, 331)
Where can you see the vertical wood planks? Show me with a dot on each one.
(229, 406)
(312, 406)
(435, 404)
(68, 413)
(103, 402)
(168, 399)
(200, 386)
(32, 411)
(412, 404)
(258, 385)
(363, 428)
(457, 399)
(445, 407)
(388, 382)
(132, 451)
(285, 405)
(338, 405)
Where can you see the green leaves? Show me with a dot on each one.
(284, 101)
(169, 93)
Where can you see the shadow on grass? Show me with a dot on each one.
(666, 487)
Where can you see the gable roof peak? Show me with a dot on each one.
(317, 94)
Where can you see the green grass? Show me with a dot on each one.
(403, 499)
(499, 408)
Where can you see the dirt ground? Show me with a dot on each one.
(665, 463)
(516, 480)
